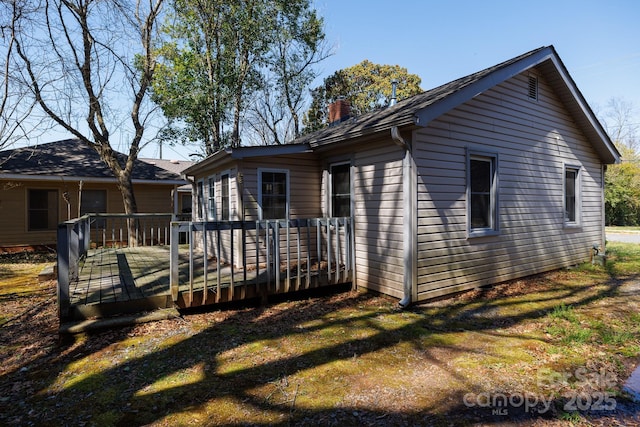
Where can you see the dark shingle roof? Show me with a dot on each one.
(403, 113)
(419, 110)
(72, 158)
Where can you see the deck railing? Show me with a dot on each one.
(77, 236)
(275, 255)
(205, 258)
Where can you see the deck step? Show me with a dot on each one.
(92, 325)
(108, 309)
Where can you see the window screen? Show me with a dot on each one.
(274, 195)
(341, 190)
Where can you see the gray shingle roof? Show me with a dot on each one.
(72, 158)
(175, 166)
(403, 112)
(421, 109)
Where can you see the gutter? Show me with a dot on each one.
(409, 191)
(57, 178)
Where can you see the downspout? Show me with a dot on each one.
(408, 189)
(194, 192)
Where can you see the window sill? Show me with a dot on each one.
(482, 233)
(572, 225)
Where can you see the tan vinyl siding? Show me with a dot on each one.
(304, 195)
(378, 204)
(304, 184)
(533, 140)
(13, 216)
(14, 229)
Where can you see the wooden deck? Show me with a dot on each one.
(115, 281)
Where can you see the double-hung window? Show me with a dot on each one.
(211, 198)
(225, 200)
(200, 199)
(273, 194)
(572, 196)
(482, 194)
(341, 190)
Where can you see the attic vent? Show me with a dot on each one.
(533, 87)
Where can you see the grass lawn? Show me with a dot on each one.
(553, 349)
(616, 229)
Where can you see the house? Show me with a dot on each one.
(40, 187)
(491, 177)
(182, 198)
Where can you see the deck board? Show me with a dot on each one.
(135, 275)
(116, 275)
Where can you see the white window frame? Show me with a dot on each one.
(331, 192)
(211, 198)
(287, 192)
(226, 173)
(577, 196)
(199, 200)
(494, 228)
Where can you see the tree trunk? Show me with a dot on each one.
(130, 207)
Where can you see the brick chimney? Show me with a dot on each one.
(339, 111)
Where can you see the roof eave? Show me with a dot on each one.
(85, 179)
(404, 121)
(239, 153)
(269, 150)
(595, 132)
(210, 160)
(594, 129)
(442, 106)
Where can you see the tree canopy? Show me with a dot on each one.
(219, 54)
(622, 190)
(367, 87)
(622, 181)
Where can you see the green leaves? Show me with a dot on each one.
(217, 55)
(622, 190)
(367, 86)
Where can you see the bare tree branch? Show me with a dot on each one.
(16, 102)
(76, 56)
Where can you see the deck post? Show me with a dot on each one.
(231, 250)
(205, 262)
(218, 263)
(173, 260)
(74, 251)
(276, 252)
(329, 254)
(308, 224)
(288, 279)
(338, 250)
(63, 270)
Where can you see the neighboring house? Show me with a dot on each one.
(182, 198)
(40, 187)
(491, 177)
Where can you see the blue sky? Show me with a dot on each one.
(440, 41)
(598, 41)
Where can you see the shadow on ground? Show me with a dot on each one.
(203, 369)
